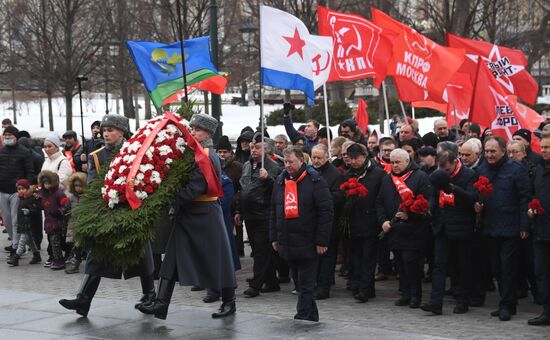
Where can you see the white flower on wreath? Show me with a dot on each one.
(145, 167)
(164, 150)
(141, 195)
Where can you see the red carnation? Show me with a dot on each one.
(420, 205)
(484, 186)
(536, 207)
(149, 189)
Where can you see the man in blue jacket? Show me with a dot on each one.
(541, 188)
(505, 219)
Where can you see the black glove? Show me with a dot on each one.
(287, 107)
(440, 179)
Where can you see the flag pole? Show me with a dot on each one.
(456, 120)
(262, 121)
(180, 34)
(326, 116)
(403, 109)
(413, 115)
(386, 106)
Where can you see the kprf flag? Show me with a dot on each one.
(507, 66)
(492, 107)
(362, 116)
(160, 67)
(291, 58)
(361, 48)
(419, 66)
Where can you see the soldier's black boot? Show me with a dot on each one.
(159, 307)
(228, 306)
(84, 297)
(148, 289)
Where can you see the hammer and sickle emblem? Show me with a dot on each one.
(317, 68)
(290, 198)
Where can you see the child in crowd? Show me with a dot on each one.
(55, 205)
(76, 187)
(28, 205)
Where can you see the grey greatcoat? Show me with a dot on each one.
(146, 265)
(198, 251)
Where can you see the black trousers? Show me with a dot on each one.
(327, 265)
(504, 266)
(481, 268)
(526, 275)
(239, 239)
(264, 255)
(383, 257)
(363, 253)
(443, 248)
(410, 273)
(304, 273)
(542, 272)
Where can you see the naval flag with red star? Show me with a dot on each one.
(291, 58)
(507, 66)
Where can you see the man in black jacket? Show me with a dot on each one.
(300, 225)
(542, 232)
(364, 226)
(407, 232)
(453, 226)
(327, 261)
(15, 164)
(253, 207)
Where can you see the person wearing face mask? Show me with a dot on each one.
(15, 164)
(327, 261)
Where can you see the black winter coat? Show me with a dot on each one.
(541, 188)
(411, 234)
(363, 220)
(333, 177)
(457, 222)
(254, 197)
(15, 164)
(298, 237)
(505, 211)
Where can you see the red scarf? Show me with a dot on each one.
(402, 188)
(291, 196)
(449, 199)
(384, 164)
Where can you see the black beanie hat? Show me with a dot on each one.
(523, 133)
(430, 139)
(12, 130)
(224, 144)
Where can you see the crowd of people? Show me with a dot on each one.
(454, 203)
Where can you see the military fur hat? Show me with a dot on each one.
(204, 122)
(116, 121)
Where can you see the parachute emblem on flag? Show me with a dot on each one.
(168, 65)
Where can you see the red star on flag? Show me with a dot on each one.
(296, 44)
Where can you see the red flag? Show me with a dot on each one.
(493, 108)
(420, 66)
(530, 120)
(361, 49)
(362, 117)
(430, 105)
(458, 93)
(507, 65)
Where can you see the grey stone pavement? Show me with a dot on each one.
(29, 310)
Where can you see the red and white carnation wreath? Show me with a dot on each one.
(168, 145)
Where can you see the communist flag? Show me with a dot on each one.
(507, 66)
(419, 66)
(361, 49)
(492, 107)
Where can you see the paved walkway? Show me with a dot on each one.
(29, 309)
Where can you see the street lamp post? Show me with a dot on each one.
(247, 31)
(80, 79)
(216, 98)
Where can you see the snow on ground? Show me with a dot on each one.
(234, 117)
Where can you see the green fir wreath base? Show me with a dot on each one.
(117, 236)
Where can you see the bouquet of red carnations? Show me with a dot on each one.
(353, 190)
(417, 205)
